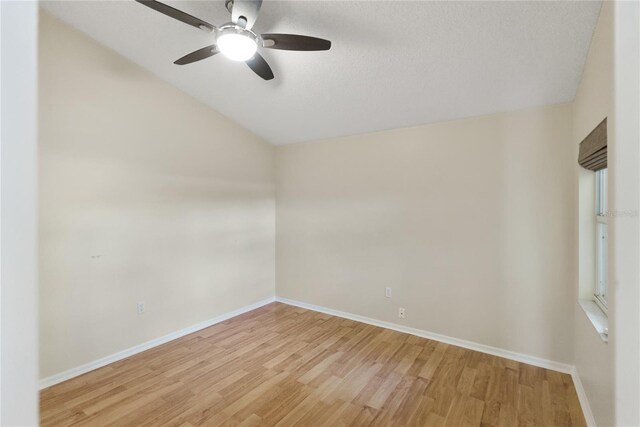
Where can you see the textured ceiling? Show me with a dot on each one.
(392, 63)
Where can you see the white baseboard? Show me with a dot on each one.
(71, 373)
(582, 397)
(507, 354)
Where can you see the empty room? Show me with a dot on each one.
(320, 213)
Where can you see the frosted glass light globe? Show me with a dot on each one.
(237, 46)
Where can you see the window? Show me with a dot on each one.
(601, 239)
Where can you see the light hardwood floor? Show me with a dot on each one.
(282, 365)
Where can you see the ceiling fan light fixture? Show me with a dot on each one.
(237, 43)
(235, 40)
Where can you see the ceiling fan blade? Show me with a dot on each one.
(295, 42)
(260, 67)
(198, 55)
(177, 14)
(247, 9)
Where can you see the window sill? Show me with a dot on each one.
(597, 317)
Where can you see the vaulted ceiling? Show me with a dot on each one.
(392, 63)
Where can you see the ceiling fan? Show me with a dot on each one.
(235, 40)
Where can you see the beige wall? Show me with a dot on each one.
(470, 222)
(594, 101)
(145, 195)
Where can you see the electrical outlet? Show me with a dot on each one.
(141, 307)
(387, 292)
(401, 313)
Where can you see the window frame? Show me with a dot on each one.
(601, 236)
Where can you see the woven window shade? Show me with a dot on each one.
(593, 149)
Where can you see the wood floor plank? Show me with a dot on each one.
(287, 366)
